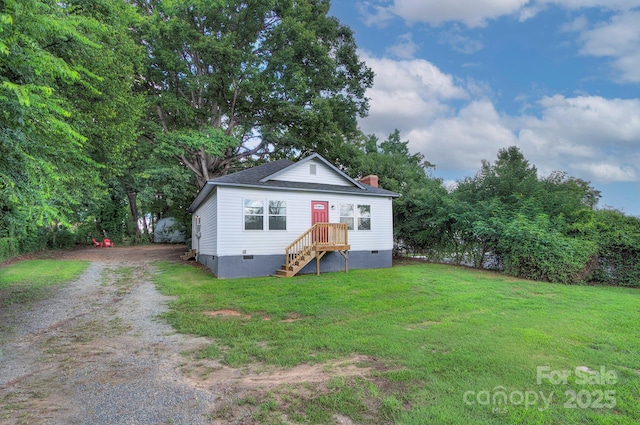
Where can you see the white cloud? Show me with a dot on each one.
(405, 48)
(372, 14)
(407, 93)
(474, 13)
(455, 125)
(461, 43)
(579, 24)
(419, 99)
(593, 137)
(590, 119)
(462, 141)
(617, 39)
(478, 89)
(416, 75)
(529, 12)
(607, 172)
(602, 4)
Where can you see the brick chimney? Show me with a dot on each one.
(371, 180)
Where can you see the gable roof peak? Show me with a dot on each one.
(313, 156)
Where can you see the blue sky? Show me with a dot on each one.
(461, 79)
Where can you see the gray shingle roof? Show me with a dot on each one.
(252, 177)
(254, 174)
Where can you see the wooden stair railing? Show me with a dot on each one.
(320, 237)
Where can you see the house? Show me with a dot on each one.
(288, 217)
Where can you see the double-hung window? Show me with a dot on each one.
(253, 214)
(260, 213)
(364, 217)
(347, 215)
(360, 215)
(277, 215)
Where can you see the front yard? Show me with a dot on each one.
(414, 344)
(436, 344)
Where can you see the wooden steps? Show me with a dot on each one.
(314, 244)
(296, 266)
(189, 255)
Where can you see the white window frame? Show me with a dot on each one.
(352, 216)
(266, 214)
(244, 213)
(366, 217)
(356, 216)
(269, 215)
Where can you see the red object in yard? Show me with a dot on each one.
(107, 242)
(96, 244)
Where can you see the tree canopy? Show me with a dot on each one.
(69, 113)
(237, 79)
(42, 155)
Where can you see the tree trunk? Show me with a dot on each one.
(146, 228)
(133, 206)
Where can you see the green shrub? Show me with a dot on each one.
(618, 238)
(8, 248)
(534, 249)
(59, 238)
(618, 265)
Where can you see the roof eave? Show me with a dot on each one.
(202, 195)
(298, 189)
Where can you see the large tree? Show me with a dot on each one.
(419, 214)
(42, 160)
(109, 116)
(69, 116)
(234, 79)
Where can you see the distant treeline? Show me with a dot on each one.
(509, 219)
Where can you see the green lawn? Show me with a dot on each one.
(452, 340)
(29, 281)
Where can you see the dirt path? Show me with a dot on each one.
(96, 353)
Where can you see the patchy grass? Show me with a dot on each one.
(29, 281)
(453, 341)
(122, 278)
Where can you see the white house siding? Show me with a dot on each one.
(301, 172)
(238, 241)
(208, 213)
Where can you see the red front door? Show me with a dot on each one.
(320, 214)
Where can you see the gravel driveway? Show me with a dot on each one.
(96, 353)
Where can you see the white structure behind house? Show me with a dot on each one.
(167, 230)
